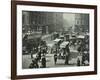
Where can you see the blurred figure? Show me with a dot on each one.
(55, 58)
(78, 62)
(67, 53)
(43, 61)
(34, 64)
(66, 58)
(85, 58)
(39, 53)
(32, 52)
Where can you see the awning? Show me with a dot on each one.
(61, 36)
(63, 45)
(81, 37)
(50, 45)
(57, 40)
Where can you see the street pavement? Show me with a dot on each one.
(26, 60)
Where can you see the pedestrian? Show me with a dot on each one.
(55, 58)
(36, 62)
(32, 52)
(66, 58)
(43, 61)
(39, 54)
(78, 62)
(67, 54)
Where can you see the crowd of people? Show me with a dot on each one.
(41, 52)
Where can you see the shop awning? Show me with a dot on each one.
(81, 37)
(63, 45)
